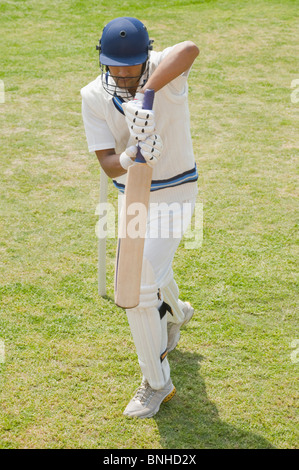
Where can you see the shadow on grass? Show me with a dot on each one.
(191, 420)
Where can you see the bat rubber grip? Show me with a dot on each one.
(148, 101)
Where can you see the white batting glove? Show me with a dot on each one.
(151, 149)
(141, 122)
(127, 157)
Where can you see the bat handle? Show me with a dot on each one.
(148, 101)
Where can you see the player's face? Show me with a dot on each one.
(126, 76)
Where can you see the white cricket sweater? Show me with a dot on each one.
(175, 174)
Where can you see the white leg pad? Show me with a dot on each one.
(150, 337)
(170, 295)
(149, 332)
(148, 287)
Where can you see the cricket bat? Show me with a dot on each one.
(130, 247)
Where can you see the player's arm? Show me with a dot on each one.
(175, 63)
(110, 162)
(178, 61)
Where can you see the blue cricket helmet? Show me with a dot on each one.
(124, 42)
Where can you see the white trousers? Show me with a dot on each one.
(166, 225)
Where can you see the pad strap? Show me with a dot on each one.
(164, 307)
(163, 355)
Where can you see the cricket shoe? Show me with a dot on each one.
(173, 329)
(146, 402)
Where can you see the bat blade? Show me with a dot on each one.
(132, 235)
(132, 229)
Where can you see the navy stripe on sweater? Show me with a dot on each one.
(186, 177)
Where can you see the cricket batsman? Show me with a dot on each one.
(115, 123)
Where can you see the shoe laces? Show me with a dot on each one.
(144, 393)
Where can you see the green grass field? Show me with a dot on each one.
(68, 364)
